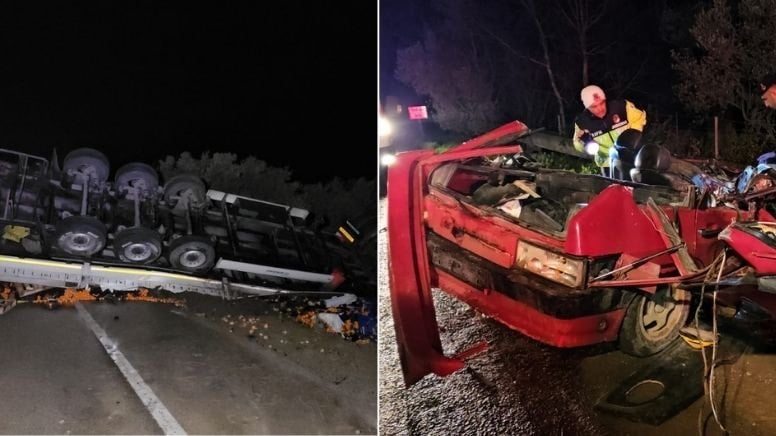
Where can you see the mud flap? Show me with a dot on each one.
(678, 369)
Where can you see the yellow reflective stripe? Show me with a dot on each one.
(100, 268)
(346, 234)
(38, 262)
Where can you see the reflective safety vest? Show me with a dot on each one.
(621, 115)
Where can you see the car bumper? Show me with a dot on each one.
(536, 307)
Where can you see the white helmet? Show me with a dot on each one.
(590, 94)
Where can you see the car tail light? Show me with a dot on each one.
(558, 268)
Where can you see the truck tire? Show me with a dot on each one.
(139, 245)
(652, 322)
(194, 254)
(137, 175)
(82, 236)
(87, 161)
(187, 185)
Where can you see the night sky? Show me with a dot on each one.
(631, 56)
(143, 80)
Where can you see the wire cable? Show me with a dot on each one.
(717, 266)
(707, 278)
(716, 344)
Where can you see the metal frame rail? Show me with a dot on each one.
(80, 275)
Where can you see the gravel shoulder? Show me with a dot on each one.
(519, 386)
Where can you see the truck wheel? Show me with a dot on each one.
(139, 245)
(652, 322)
(191, 253)
(185, 185)
(81, 235)
(87, 161)
(137, 175)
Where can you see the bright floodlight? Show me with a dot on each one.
(591, 148)
(388, 159)
(383, 127)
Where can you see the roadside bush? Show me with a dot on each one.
(334, 201)
(559, 161)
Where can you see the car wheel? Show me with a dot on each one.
(87, 161)
(137, 175)
(194, 254)
(139, 245)
(652, 322)
(185, 185)
(80, 235)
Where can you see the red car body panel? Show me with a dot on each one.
(612, 224)
(574, 332)
(761, 255)
(417, 332)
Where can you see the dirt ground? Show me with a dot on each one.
(519, 386)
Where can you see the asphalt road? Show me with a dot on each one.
(57, 378)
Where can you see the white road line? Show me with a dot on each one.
(163, 417)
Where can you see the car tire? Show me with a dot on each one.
(652, 322)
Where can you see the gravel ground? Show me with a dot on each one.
(519, 386)
(516, 387)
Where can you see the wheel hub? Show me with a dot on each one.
(193, 258)
(139, 251)
(79, 242)
(658, 319)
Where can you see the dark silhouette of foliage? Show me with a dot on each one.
(335, 200)
(733, 48)
(480, 66)
(465, 102)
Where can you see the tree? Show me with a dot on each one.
(449, 67)
(525, 59)
(546, 63)
(335, 200)
(734, 47)
(582, 19)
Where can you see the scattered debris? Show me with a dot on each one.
(340, 300)
(308, 318)
(697, 338)
(332, 320)
(7, 300)
(68, 298)
(53, 298)
(143, 295)
(355, 318)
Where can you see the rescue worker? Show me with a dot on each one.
(768, 90)
(597, 128)
(768, 95)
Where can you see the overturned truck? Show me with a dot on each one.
(71, 226)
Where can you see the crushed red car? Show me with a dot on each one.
(567, 259)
